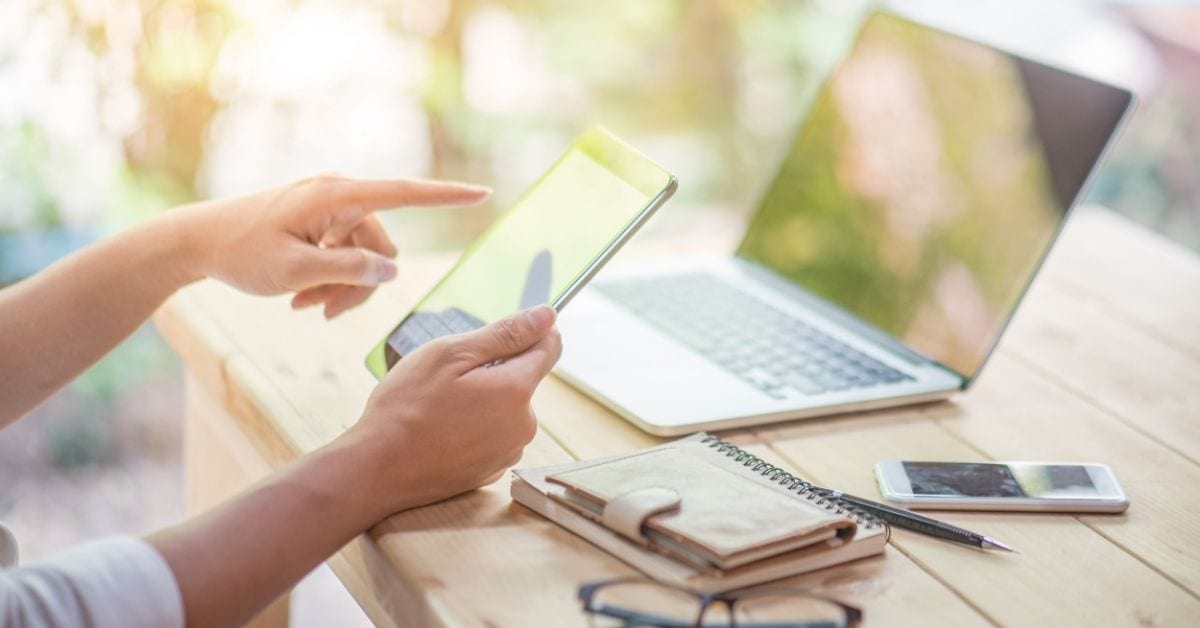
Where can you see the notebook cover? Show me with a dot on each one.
(532, 489)
(728, 518)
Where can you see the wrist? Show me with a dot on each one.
(380, 490)
(159, 251)
(191, 235)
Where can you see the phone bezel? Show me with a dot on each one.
(896, 487)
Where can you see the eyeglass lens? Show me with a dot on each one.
(646, 603)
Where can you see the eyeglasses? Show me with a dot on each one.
(640, 602)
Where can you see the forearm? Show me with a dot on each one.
(67, 317)
(234, 560)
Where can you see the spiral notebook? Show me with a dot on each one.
(700, 512)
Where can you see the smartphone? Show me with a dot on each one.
(544, 249)
(1025, 486)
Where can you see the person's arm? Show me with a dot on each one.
(317, 238)
(445, 420)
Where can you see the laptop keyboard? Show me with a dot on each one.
(772, 351)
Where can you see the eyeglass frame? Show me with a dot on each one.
(587, 592)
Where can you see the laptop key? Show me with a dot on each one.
(778, 369)
(775, 393)
(831, 381)
(803, 384)
(761, 379)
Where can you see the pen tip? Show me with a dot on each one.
(990, 543)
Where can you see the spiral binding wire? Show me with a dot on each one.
(817, 495)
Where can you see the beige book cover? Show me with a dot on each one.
(722, 516)
(734, 527)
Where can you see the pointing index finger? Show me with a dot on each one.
(375, 194)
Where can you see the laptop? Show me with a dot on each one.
(909, 216)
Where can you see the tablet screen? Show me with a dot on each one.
(540, 249)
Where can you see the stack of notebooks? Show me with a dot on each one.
(700, 513)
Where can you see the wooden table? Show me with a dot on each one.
(1102, 363)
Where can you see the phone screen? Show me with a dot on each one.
(999, 480)
(540, 249)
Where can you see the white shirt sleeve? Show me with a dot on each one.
(120, 582)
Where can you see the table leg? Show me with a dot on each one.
(219, 461)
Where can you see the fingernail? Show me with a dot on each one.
(378, 270)
(386, 270)
(542, 317)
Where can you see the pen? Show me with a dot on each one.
(910, 520)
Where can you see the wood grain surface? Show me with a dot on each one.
(1102, 363)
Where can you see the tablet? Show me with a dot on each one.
(544, 249)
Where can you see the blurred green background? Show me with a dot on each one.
(114, 110)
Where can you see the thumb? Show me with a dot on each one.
(506, 337)
(341, 265)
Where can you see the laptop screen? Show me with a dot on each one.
(927, 183)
